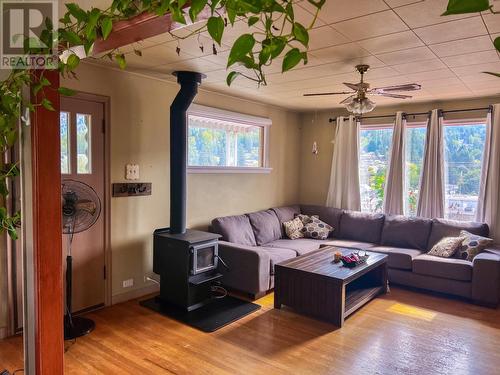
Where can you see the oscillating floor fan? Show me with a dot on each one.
(81, 208)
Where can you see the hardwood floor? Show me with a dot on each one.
(404, 332)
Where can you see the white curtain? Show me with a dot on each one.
(488, 209)
(395, 180)
(431, 197)
(343, 191)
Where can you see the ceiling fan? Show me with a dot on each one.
(358, 102)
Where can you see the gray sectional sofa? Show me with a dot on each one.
(253, 243)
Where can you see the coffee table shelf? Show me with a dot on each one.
(358, 297)
(313, 285)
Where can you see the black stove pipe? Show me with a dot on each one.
(189, 82)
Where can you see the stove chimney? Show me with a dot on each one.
(189, 82)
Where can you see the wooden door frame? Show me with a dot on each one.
(106, 102)
(47, 338)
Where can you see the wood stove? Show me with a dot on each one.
(185, 259)
(187, 265)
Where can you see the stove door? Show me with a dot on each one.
(204, 257)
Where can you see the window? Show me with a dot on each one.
(415, 148)
(65, 144)
(463, 151)
(223, 141)
(83, 124)
(374, 154)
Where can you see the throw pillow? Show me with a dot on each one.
(293, 228)
(472, 245)
(447, 247)
(306, 218)
(316, 229)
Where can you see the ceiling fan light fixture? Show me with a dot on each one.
(359, 106)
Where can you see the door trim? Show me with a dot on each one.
(106, 101)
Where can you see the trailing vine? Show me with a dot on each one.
(274, 34)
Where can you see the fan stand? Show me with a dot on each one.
(74, 326)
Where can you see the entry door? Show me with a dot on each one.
(82, 159)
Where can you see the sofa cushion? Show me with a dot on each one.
(407, 232)
(301, 246)
(236, 229)
(448, 268)
(278, 255)
(361, 226)
(329, 215)
(266, 226)
(285, 214)
(398, 257)
(451, 228)
(350, 244)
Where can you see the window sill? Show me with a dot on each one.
(256, 170)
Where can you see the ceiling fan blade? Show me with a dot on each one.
(347, 99)
(389, 95)
(405, 87)
(329, 93)
(354, 86)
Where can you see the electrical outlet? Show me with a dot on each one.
(128, 283)
(132, 172)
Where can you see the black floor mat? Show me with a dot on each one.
(209, 318)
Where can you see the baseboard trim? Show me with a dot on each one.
(133, 294)
(3, 332)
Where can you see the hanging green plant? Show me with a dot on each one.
(252, 51)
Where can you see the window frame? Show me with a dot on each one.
(236, 117)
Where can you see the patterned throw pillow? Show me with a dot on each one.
(306, 218)
(472, 245)
(316, 229)
(293, 228)
(447, 247)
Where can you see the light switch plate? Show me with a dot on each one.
(132, 172)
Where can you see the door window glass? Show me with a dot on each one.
(65, 144)
(83, 147)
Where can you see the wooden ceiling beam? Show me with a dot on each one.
(140, 27)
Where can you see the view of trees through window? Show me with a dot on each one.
(415, 146)
(464, 145)
(463, 152)
(374, 154)
(223, 144)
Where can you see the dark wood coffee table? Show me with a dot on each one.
(314, 285)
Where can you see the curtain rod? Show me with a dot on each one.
(489, 108)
